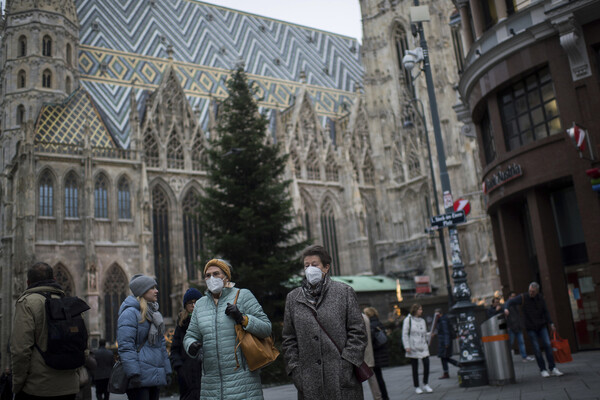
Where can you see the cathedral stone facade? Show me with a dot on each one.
(107, 112)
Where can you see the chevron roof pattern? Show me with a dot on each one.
(126, 44)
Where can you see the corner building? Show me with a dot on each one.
(530, 70)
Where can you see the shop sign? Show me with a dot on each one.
(501, 177)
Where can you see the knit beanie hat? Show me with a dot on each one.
(191, 294)
(217, 262)
(140, 284)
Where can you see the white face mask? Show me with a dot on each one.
(215, 285)
(313, 275)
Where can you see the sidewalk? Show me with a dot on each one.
(581, 381)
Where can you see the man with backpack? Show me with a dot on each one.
(32, 377)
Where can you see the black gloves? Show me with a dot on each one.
(169, 379)
(194, 349)
(135, 382)
(233, 311)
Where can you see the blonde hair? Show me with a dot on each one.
(143, 308)
(183, 314)
(414, 308)
(371, 311)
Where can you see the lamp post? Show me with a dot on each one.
(421, 114)
(472, 367)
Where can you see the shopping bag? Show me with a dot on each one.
(560, 349)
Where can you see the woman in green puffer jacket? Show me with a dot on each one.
(212, 330)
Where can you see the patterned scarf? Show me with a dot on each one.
(313, 293)
(157, 329)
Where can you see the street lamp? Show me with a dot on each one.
(472, 368)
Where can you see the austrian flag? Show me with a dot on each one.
(578, 135)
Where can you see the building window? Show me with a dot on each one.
(192, 234)
(457, 43)
(64, 279)
(162, 252)
(124, 199)
(47, 46)
(115, 290)
(490, 16)
(22, 46)
(71, 196)
(47, 79)
(331, 172)
(174, 153)
(46, 195)
(487, 138)
(151, 150)
(199, 157)
(401, 46)
(101, 197)
(329, 233)
(68, 85)
(568, 226)
(20, 114)
(368, 172)
(529, 110)
(21, 79)
(69, 54)
(312, 167)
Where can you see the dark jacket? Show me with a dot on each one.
(382, 353)
(104, 360)
(535, 311)
(189, 370)
(514, 321)
(491, 311)
(444, 333)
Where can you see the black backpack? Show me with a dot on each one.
(67, 334)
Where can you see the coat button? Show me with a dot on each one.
(316, 338)
(319, 362)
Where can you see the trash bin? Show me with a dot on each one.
(496, 346)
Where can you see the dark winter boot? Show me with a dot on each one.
(445, 376)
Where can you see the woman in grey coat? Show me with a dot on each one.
(317, 368)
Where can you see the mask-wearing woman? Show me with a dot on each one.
(212, 329)
(189, 370)
(317, 368)
(140, 335)
(415, 339)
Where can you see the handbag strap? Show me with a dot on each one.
(327, 333)
(238, 332)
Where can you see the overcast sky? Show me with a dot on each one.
(338, 16)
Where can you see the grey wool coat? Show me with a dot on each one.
(315, 364)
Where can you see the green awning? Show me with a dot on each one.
(373, 283)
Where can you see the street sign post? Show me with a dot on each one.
(448, 219)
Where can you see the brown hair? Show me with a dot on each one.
(317, 250)
(414, 308)
(371, 311)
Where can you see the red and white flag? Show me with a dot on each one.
(578, 135)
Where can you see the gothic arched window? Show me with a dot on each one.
(115, 291)
(174, 153)
(296, 164)
(151, 150)
(192, 234)
(20, 114)
(199, 158)
(71, 196)
(47, 78)
(401, 46)
(312, 166)
(68, 85)
(46, 195)
(124, 199)
(368, 171)
(162, 248)
(22, 46)
(47, 46)
(329, 234)
(21, 79)
(63, 278)
(69, 54)
(101, 197)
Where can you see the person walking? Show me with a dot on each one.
(321, 316)
(495, 308)
(370, 360)
(142, 346)
(32, 378)
(189, 369)
(537, 319)
(415, 339)
(444, 335)
(104, 363)
(515, 329)
(212, 329)
(381, 352)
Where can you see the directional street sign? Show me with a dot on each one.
(449, 219)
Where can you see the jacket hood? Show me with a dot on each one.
(42, 289)
(129, 301)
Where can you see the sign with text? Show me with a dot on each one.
(449, 219)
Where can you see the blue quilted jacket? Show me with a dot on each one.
(152, 362)
(216, 331)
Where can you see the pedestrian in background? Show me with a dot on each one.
(495, 308)
(444, 330)
(141, 338)
(370, 360)
(212, 329)
(312, 358)
(381, 353)
(104, 363)
(415, 339)
(515, 328)
(189, 369)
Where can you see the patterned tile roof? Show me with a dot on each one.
(124, 44)
(65, 123)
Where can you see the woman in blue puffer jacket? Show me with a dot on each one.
(141, 340)
(212, 328)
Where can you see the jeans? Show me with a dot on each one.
(381, 383)
(446, 360)
(519, 336)
(415, 370)
(541, 335)
(143, 393)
